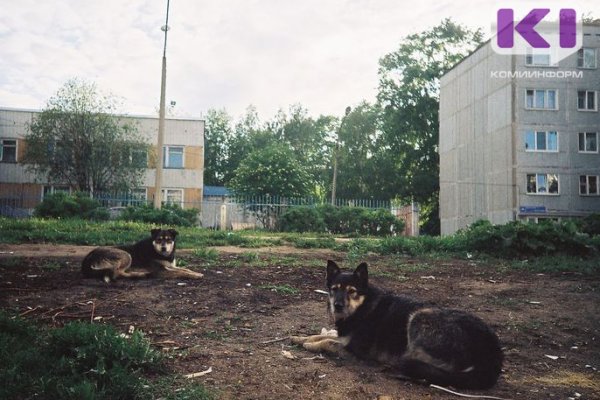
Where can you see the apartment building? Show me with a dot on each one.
(183, 159)
(519, 137)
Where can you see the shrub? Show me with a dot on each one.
(591, 225)
(359, 221)
(519, 239)
(301, 219)
(63, 205)
(167, 215)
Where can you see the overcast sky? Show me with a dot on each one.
(226, 54)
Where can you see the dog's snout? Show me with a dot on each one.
(338, 306)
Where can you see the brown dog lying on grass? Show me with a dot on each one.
(153, 257)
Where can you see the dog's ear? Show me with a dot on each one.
(361, 273)
(173, 232)
(332, 271)
(154, 232)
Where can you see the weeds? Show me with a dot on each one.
(206, 254)
(281, 289)
(77, 361)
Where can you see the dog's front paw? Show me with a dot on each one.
(197, 275)
(299, 339)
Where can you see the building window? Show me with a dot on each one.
(8, 150)
(52, 189)
(540, 99)
(173, 196)
(588, 185)
(173, 157)
(586, 100)
(537, 60)
(588, 142)
(138, 197)
(542, 184)
(586, 58)
(541, 141)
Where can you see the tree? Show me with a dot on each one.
(409, 97)
(308, 139)
(357, 137)
(272, 171)
(217, 138)
(79, 141)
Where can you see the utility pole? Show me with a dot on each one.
(335, 156)
(161, 120)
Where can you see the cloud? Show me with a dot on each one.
(220, 54)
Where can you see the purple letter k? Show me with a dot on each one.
(525, 28)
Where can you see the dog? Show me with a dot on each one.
(153, 257)
(440, 346)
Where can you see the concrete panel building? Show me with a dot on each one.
(183, 162)
(519, 138)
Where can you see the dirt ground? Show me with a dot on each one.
(233, 319)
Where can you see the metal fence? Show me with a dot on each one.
(231, 212)
(262, 212)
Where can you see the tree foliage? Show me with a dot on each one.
(409, 99)
(217, 138)
(387, 150)
(79, 141)
(357, 139)
(272, 171)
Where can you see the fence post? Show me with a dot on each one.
(223, 219)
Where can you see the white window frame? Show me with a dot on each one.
(586, 108)
(585, 150)
(537, 186)
(545, 106)
(581, 58)
(16, 147)
(166, 163)
(165, 196)
(533, 60)
(138, 196)
(535, 140)
(587, 185)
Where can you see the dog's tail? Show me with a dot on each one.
(474, 377)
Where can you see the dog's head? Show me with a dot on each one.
(347, 290)
(163, 241)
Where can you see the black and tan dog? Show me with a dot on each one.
(153, 257)
(441, 346)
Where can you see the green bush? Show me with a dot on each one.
(301, 219)
(591, 225)
(521, 239)
(167, 215)
(340, 220)
(63, 205)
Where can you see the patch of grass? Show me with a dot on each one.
(281, 289)
(206, 254)
(172, 388)
(249, 257)
(213, 335)
(313, 243)
(556, 264)
(77, 361)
